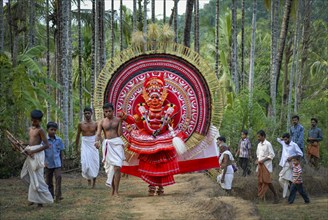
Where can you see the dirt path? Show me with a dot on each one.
(194, 196)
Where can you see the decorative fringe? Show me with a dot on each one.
(179, 145)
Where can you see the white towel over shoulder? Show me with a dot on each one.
(32, 173)
(89, 157)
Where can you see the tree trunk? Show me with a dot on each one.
(305, 47)
(48, 60)
(64, 67)
(102, 36)
(188, 20)
(294, 68)
(284, 100)
(70, 71)
(251, 64)
(153, 11)
(1, 27)
(121, 25)
(196, 21)
(175, 18)
(242, 42)
(80, 59)
(145, 22)
(217, 37)
(140, 15)
(93, 53)
(164, 11)
(134, 15)
(234, 56)
(283, 34)
(112, 29)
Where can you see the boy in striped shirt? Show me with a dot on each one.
(297, 184)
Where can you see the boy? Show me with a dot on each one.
(244, 152)
(89, 153)
(32, 171)
(54, 159)
(297, 184)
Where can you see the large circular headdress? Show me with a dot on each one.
(191, 85)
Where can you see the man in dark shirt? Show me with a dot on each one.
(313, 148)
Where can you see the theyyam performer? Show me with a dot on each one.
(166, 110)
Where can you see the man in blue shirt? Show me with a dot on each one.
(53, 161)
(297, 133)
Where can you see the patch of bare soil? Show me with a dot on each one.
(194, 196)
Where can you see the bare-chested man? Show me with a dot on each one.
(89, 153)
(32, 171)
(112, 147)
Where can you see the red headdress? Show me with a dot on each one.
(154, 85)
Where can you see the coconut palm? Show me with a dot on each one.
(188, 20)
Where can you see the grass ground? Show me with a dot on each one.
(194, 196)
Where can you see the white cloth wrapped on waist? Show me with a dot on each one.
(89, 157)
(285, 176)
(113, 152)
(32, 173)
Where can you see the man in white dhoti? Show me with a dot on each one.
(289, 150)
(112, 147)
(226, 177)
(89, 153)
(32, 171)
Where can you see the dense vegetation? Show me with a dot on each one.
(40, 68)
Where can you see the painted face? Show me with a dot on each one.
(52, 132)
(155, 102)
(108, 113)
(87, 115)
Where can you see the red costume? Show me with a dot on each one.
(152, 139)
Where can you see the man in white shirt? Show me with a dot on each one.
(289, 150)
(265, 155)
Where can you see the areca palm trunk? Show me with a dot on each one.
(305, 48)
(121, 25)
(242, 41)
(80, 59)
(64, 67)
(31, 23)
(175, 20)
(274, 46)
(112, 30)
(145, 22)
(93, 53)
(217, 28)
(48, 60)
(153, 11)
(294, 68)
(70, 71)
(234, 61)
(102, 37)
(251, 63)
(188, 20)
(196, 21)
(1, 27)
(134, 15)
(164, 11)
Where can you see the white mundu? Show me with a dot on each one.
(89, 157)
(32, 173)
(113, 155)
